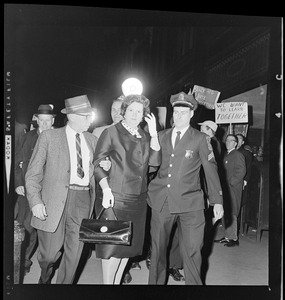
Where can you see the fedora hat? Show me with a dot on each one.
(76, 105)
(45, 109)
(184, 99)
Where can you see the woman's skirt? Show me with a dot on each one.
(127, 208)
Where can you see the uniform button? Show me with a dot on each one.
(67, 186)
(168, 185)
(170, 165)
(68, 171)
(139, 177)
(172, 154)
(169, 175)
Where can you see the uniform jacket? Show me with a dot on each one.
(22, 158)
(130, 158)
(178, 178)
(48, 175)
(235, 170)
(217, 149)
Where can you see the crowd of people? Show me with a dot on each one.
(66, 174)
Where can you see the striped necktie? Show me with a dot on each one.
(80, 172)
(177, 140)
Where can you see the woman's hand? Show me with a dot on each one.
(108, 198)
(218, 211)
(105, 164)
(151, 122)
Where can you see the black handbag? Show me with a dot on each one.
(98, 231)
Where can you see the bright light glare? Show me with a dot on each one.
(132, 86)
(93, 116)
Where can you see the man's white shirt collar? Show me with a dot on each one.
(182, 131)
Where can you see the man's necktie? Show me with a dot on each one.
(80, 172)
(177, 138)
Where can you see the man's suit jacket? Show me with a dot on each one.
(23, 155)
(248, 161)
(48, 175)
(235, 170)
(130, 158)
(178, 178)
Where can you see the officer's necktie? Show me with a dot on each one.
(177, 138)
(80, 172)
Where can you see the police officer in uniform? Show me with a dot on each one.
(175, 194)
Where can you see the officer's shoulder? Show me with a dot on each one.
(198, 133)
(164, 131)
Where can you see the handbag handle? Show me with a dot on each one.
(102, 210)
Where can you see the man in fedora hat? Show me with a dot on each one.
(45, 119)
(60, 187)
(175, 194)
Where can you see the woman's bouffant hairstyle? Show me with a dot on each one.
(128, 100)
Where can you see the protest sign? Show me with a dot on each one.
(205, 96)
(231, 112)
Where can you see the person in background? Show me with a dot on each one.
(45, 119)
(115, 114)
(131, 150)
(247, 152)
(235, 170)
(175, 194)
(20, 131)
(209, 127)
(60, 187)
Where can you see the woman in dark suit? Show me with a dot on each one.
(131, 150)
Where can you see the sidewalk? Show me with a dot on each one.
(246, 264)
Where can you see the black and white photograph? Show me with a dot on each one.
(143, 153)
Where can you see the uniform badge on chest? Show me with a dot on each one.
(188, 154)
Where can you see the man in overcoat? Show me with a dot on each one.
(175, 194)
(45, 119)
(60, 188)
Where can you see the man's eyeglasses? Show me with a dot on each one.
(231, 141)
